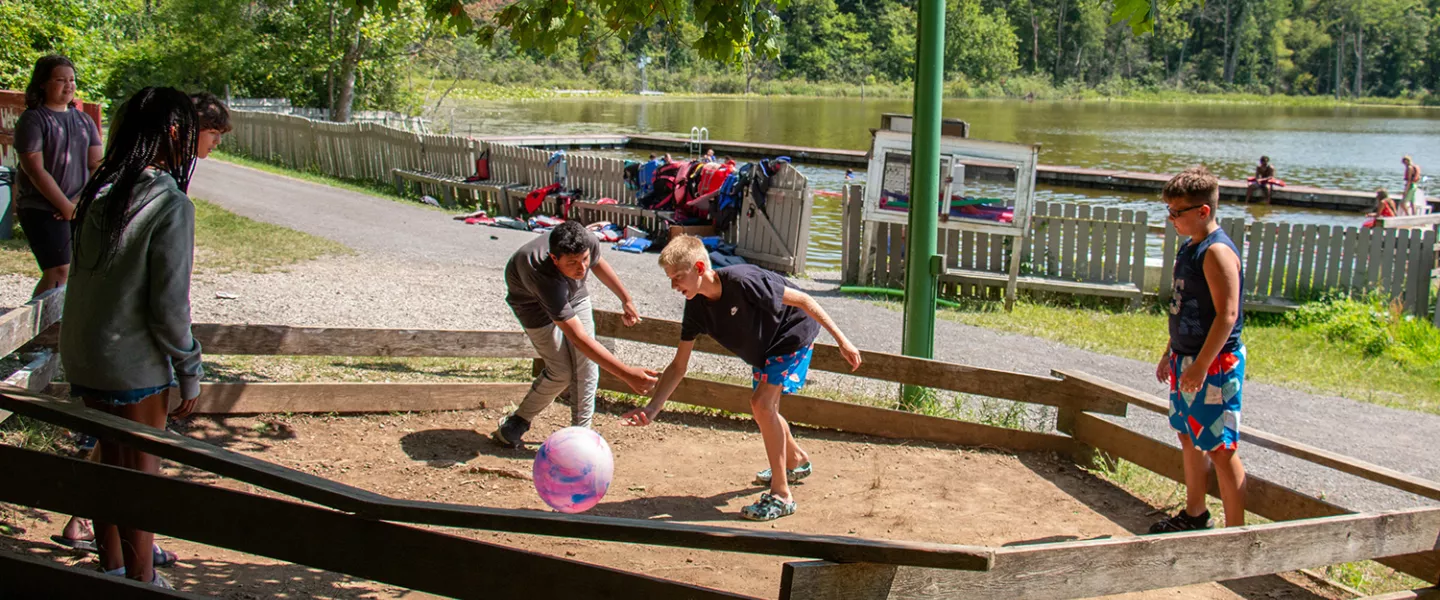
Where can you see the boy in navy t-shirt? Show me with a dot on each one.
(1205, 361)
(767, 323)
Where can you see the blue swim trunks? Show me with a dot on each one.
(787, 371)
(1212, 416)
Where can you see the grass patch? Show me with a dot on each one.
(224, 242)
(1368, 577)
(1395, 363)
(350, 369)
(360, 186)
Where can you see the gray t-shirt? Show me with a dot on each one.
(538, 292)
(64, 141)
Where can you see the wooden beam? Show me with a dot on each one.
(339, 341)
(34, 376)
(1101, 567)
(1262, 497)
(1425, 594)
(28, 577)
(1415, 221)
(418, 559)
(1035, 389)
(264, 398)
(867, 420)
(1319, 456)
(337, 495)
(23, 323)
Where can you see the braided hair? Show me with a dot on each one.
(157, 127)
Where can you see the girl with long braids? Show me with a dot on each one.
(58, 146)
(127, 337)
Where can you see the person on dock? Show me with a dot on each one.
(1384, 207)
(1411, 199)
(1264, 179)
(127, 337)
(59, 146)
(768, 323)
(545, 283)
(1204, 363)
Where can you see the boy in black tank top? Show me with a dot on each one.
(1205, 361)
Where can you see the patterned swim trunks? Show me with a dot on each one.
(1211, 416)
(787, 371)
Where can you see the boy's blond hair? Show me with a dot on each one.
(684, 251)
(1196, 185)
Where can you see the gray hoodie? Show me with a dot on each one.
(127, 320)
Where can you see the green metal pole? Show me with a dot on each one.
(920, 276)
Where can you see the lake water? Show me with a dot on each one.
(1353, 148)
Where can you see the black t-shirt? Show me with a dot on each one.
(750, 317)
(538, 292)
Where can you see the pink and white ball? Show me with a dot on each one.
(573, 469)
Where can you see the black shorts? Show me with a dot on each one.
(49, 237)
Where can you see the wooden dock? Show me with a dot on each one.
(1057, 175)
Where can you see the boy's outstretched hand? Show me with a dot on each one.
(851, 354)
(631, 316)
(638, 417)
(1162, 369)
(641, 380)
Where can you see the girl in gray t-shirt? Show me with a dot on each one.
(59, 146)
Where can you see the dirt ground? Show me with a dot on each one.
(687, 467)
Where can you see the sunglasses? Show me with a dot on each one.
(1175, 214)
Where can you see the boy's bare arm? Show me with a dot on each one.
(607, 276)
(640, 380)
(807, 303)
(1222, 273)
(669, 380)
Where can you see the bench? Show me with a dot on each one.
(492, 193)
(1130, 291)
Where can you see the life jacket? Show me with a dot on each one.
(537, 196)
(668, 189)
(725, 206)
(709, 177)
(760, 178)
(482, 168)
(645, 176)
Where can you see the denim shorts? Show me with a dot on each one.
(118, 398)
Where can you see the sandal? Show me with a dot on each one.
(791, 475)
(768, 508)
(162, 558)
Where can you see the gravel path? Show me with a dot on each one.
(415, 267)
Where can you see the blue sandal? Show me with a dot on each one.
(768, 508)
(791, 475)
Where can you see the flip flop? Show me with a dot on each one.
(81, 545)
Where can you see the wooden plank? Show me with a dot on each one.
(968, 257)
(1251, 260)
(1036, 389)
(1280, 263)
(1083, 241)
(346, 398)
(1100, 567)
(1167, 266)
(304, 486)
(1323, 235)
(1422, 275)
(1262, 497)
(1432, 593)
(1138, 261)
(1110, 268)
(1308, 247)
(1379, 240)
(33, 577)
(1053, 225)
(1067, 241)
(284, 340)
(998, 245)
(1126, 230)
(1349, 261)
(1292, 268)
(1096, 264)
(861, 419)
(421, 559)
(34, 376)
(1269, 237)
(850, 238)
(23, 323)
(1399, 259)
(1415, 221)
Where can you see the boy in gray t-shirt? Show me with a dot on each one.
(545, 283)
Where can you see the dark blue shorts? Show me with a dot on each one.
(787, 371)
(117, 398)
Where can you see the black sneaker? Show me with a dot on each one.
(511, 433)
(1182, 521)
